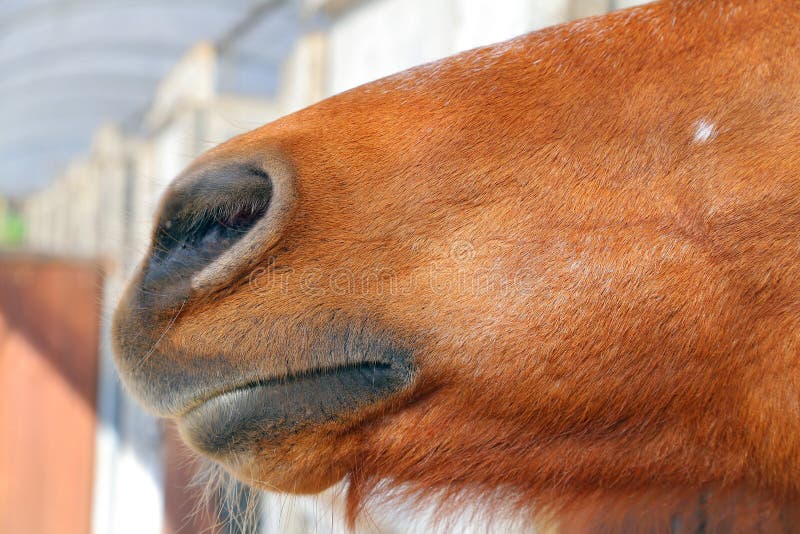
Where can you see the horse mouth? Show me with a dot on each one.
(267, 411)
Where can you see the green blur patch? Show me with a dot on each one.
(12, 229)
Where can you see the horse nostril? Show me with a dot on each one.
(219, 232)
(214, 221)
(201, 237)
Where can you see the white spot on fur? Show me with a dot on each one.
(704, 131)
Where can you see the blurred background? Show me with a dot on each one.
(102, 103)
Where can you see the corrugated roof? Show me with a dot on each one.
(67, 66)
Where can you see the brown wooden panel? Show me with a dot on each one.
(49, 317)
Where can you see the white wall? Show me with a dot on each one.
(381, 37)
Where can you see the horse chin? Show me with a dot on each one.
(306, 466)
(291, 434)
(306, 462)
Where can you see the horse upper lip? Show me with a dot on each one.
(170, 381)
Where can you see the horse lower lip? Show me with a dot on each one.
(232, 421)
